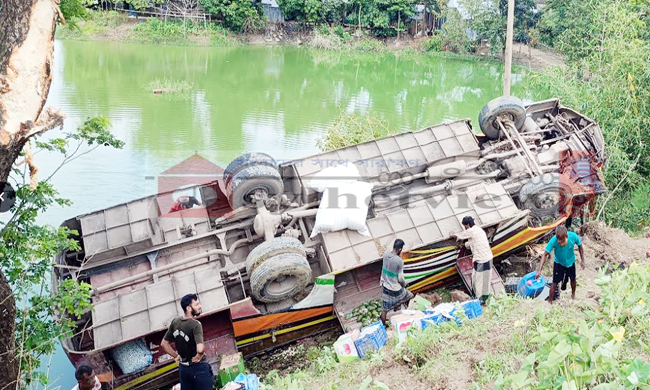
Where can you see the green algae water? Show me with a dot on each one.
(277, 100)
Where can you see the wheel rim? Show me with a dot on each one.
(547, 201)
(281, 286)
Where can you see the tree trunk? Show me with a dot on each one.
(26, 51)
(359, 18)
(8, 360)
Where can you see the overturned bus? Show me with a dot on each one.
(263, 281)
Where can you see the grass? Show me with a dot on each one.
(505, 348)
(352, 129)
(169, 86)
(114, 26)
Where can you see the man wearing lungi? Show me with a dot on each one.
(478, 243)
(392, 280)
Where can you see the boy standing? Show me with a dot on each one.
(564, 266)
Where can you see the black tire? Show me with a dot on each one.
(508, 105)
(268, 249)
(247, 160)
(252, 178)
(542, 195)
(280, 277)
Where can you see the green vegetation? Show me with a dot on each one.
(104, 26)
(27, 250)
(237, 15)
(608, 79)
(351, 129)
(168, 86)
(516, 344)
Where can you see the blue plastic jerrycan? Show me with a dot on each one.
(532, 289)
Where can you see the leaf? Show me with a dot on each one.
(380, 385)
(366, 383)
(559, 353)
(641, 370)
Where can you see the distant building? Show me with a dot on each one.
(272, 11)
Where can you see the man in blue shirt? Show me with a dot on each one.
(564, 266)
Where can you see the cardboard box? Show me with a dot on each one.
(404, 321)
(344, 347)
(231, 366)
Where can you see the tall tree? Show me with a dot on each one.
(26, 54)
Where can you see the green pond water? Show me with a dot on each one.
(274, 100)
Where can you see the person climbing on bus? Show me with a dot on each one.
(563, 243)
(479, 244)
(184, 202)
(394, 292)
(187, 333)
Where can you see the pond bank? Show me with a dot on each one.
(112, 26)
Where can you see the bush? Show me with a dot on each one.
(605, 43)
(351, 129)
(433, 44)
(454, 32)
(237, 15)
(324, 40)
(341, 33)
(370, 45)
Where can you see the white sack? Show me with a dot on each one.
(334, 176)
(344, 207)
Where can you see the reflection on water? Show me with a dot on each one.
(276, 100)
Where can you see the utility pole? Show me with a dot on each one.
(509, 34)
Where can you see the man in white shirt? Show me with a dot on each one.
(86, 379)
(478, 243)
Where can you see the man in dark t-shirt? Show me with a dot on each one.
(187, 333)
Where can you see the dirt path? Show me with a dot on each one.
(536, 58)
